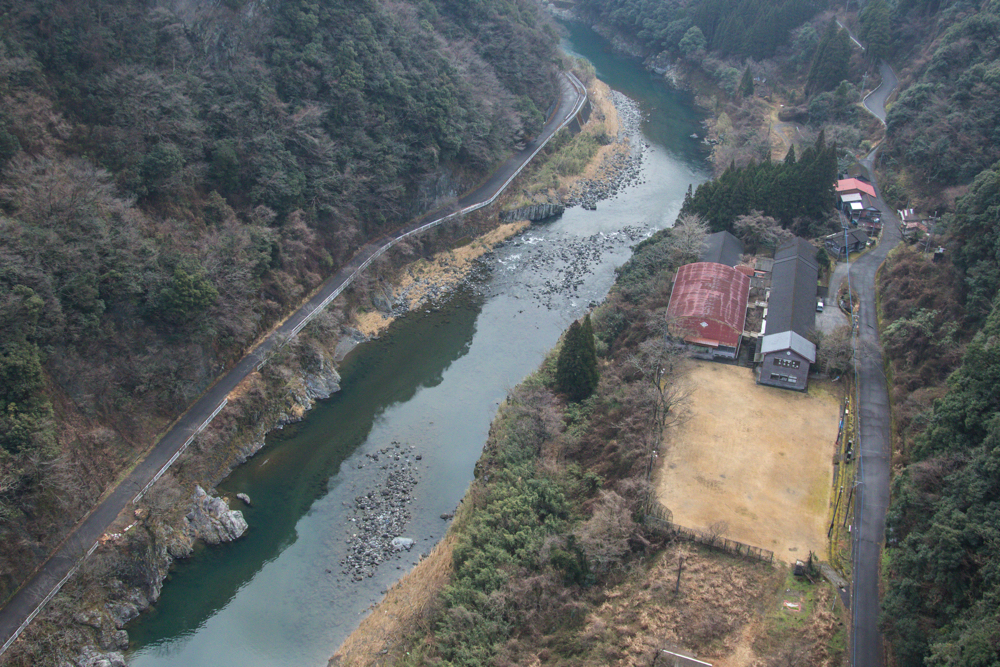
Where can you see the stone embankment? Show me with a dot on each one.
(533, 213)
(381, 514)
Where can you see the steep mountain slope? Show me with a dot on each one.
(176, 175)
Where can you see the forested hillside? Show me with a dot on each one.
(945, 127)
(175, 176)
(940, 607)
(941, 326)
(743, 28)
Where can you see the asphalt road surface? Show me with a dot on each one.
(875, 100)
(49, 578)
(874, 459)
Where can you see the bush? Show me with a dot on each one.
(187, 296)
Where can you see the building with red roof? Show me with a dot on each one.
(849, 186)
(708, 308)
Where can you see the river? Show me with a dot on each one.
(280, 596)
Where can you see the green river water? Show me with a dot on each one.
(277, 596)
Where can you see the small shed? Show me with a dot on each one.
(847, 202)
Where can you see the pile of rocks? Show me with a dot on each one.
(381, 514)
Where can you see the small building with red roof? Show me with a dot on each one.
(708, 308)
(849, 186)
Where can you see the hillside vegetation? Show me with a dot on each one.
(176, 176)
(945, 127)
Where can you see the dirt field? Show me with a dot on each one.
(755, 457)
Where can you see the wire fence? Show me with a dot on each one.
(657, 520)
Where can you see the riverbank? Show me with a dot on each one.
(302, 372)
(420, 283)
(544, 561)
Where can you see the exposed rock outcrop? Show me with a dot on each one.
(211, 520)
(91, 657)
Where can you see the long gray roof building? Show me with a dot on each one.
(792, 305)
(785, 352)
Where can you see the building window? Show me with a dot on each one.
(782, 378)
(787, 363)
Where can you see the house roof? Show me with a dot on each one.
(723, 248)
(848, 185)
(709, 303)
(797, 248)
(909, 215)
(792, 304)
(853, 236)
(788, 340)
(850, 196)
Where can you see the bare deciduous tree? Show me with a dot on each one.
(604, 537)
(758, 231)
(688, 235)
(836, 351)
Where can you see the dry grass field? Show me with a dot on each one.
(756, 458)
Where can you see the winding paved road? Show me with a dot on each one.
(875, 100)
(875, 455)
(81, 542)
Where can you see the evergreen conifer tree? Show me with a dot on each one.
(576, 367)
(746, 84)
(829, 65)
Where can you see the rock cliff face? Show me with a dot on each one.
(152, 548)
(534, 213)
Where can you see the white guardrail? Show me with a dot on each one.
(577, 85)
(580, 88)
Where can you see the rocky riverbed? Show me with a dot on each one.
(553, 273)
(619, 169)
(379, 521)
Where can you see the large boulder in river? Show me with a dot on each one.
(211, 520)
(400, 543)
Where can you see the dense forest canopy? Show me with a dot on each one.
(797, 192)
(945, 126)
(174, 176)
(743, 28)
(940, 607)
